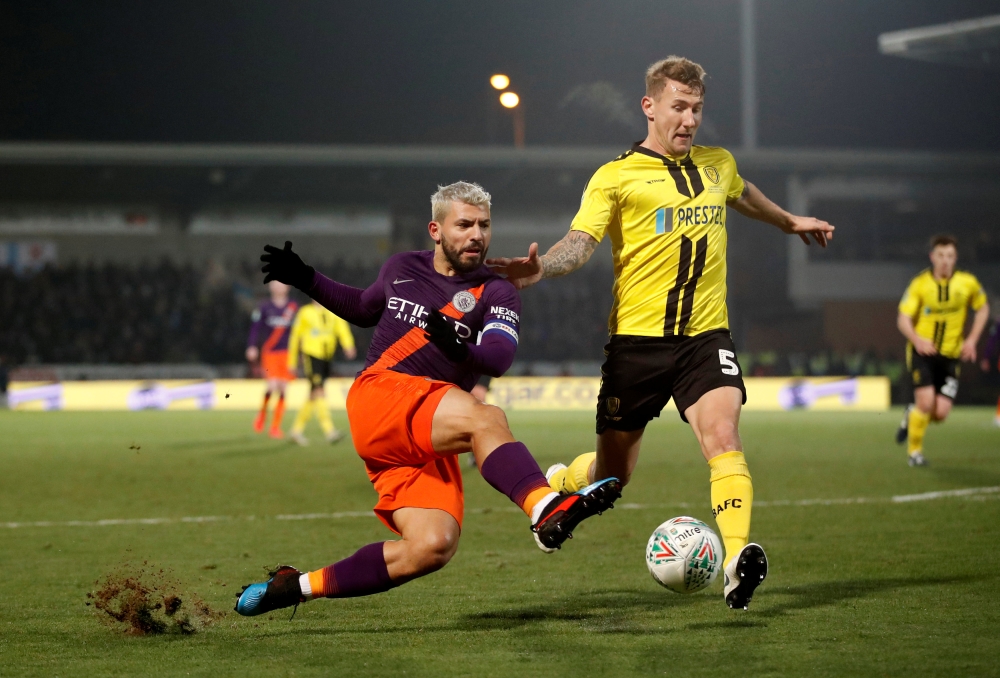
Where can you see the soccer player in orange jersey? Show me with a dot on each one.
(442, 320)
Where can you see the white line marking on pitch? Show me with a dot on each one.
(978, 493)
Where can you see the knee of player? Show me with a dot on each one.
(489, 418)
(435, 549)
(724, 435)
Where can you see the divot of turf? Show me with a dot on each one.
(140, 601)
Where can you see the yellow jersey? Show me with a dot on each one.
(316, 332)
(938, 308)
(666, 218)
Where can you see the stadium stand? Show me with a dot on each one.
(173, 313)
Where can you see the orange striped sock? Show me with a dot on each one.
(535, 497)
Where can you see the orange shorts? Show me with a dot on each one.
(274, 365)
(391, 415)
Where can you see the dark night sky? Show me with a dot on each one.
(416, 72)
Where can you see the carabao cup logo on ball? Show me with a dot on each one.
(684, 555)
(464, 301)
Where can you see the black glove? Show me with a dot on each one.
(441, 333)
(286, 266)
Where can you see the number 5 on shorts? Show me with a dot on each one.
(728, 366)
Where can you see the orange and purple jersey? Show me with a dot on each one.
(270, 324)
(483, 307)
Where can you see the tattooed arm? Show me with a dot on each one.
(567, 255)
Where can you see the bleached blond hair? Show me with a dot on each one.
(460, 191)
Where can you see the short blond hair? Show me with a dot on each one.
(674, 68)
(460, 191)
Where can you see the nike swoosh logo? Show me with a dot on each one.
(397, 281)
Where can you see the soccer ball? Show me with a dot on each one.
(684, 554)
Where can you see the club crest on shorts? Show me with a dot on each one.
(612, 404)
(712, 174)
(464, 301)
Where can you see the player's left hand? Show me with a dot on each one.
(821, 231)
(442, 334)
(969, 351)
(286, 266)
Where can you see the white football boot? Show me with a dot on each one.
(555, 468)
(744, 574)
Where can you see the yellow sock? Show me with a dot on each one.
(323, 414)
(302, 418)
(732, 500)
(916, 428)
(575, 477)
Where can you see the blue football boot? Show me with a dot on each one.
(281, 590)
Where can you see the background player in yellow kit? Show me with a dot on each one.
(315, 334)
(932, 318)
(663, 204)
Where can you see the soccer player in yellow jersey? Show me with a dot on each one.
(932, 318)
(315, 334)
(663, 204)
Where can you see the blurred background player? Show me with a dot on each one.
(663, 204)
(315, 334)
(268, 342)
(932, 318)
(991, 360)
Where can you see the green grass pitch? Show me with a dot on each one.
(879, 588)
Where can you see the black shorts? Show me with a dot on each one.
(641, 374)
(315, 370)
(934, 370)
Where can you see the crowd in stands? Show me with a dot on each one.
(117, 314)
(174, 314)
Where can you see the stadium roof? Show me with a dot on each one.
(974, 42)
(191, 176)
(491, 157)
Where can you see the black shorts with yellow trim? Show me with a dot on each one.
(316, 370)
(641, 374)
(934, 370)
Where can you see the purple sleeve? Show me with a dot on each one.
(492, 357)
(256, 324)
(358, 307)
(495, 352)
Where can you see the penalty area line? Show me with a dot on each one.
(979, 493)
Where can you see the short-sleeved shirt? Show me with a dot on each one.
(939, 307)
(316, 332)
(666, 218)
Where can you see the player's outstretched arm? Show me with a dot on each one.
(754, 204)
(567, 255)
(359, 307)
